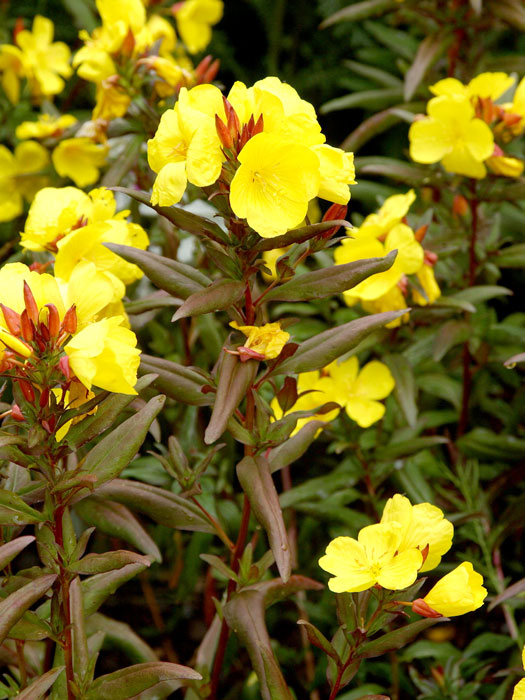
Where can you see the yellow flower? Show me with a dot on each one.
(263, 342)
(423, 525)
(427, 280)
(459, 592)
(19, 178)
(519, 690)
(391, 213)
(359, 392)
(130, 14)
(393, 300)
(314, 398)
(185, 147)
(44, 62)
(111, 102)
(453, 135)
(337, 172)
(12, 70)
(505, 165)
(410, 256)
(45, 126)
(194, 21)
(484, 85)
(373, 558)
(270, 258)
(75, 397)
(79, 159)
(274, 183)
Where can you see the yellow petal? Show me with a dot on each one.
(170, 184)
(401, 571)
(429, 139)
(364, 412)
(458, 592)
(375, 381)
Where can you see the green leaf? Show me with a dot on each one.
(244, 613)
(450, 334)
(299, 235)
(181, 383)
(108, 561)
(11, 549)
(256, 481)
(80, 646)
(475, 295)
(512, 256)
(296, 446)
(38, 689)
(329, 281)
(377, 99)
(15, 511)
(359, 11)
(120, 635)
(428, 52)
(405, 389)
(160, 505)
(399, 170)
(235, 377)
(400, 42)
(116, 520)
(14, 606)
(217, 297)
(115, 451)
(395, 450)
(317, 352)
(382, 77)
(442, 386)
(185, 220)
(130, 681)
(391, 641)
(509, 592)
(96, 589)
(317, 638)
(485, 444)
(377, 124)
(511, 11)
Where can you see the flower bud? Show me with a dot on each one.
(460, 205)
(27, 390)
(210, 75)
(69, 324)
(63, 363)
(53, 321)
(224, 135)
(421, 608)
(29, 299)
(17, 413)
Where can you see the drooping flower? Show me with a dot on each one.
(371, 559)
(194, 21)
(263, 342)
(20, 176)
(45, 126)
(79, 159)
(274, 183)
(459, 592)
(452, 134)
(423, 526)
(359, 392)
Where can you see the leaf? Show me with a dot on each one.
(511, 11)
(116, 520)
(398, 41)
(450, 334)
(181, 383)
(80, 647)
(399, 170)
(107, 413)
(256, 481)
(162, 506)
(296, 446)
(451, 302)
(484, 443)
(11, 549)
(14, 606)
(329, 281)
(405, 389)
(377, 75)
(428, 52)
(130, 681)
(235, 378)
(377, 99)
(317, 352)
(359, 11)
(120, 635)
(407, 447)
(378, 123)
(108, 561)
(391, 641)
(299, 235)
(218, 296)
(317, 638)
(442, 386)
(38, 689)
(475, 295)
(509, 592)
(115, 451)
(96, 589)
(244, 613)
(512, 256)
(15, 511)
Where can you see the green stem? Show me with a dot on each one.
(63, 578)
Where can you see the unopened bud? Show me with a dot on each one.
(259, 125)
(497, 152)
(203, 66)
(334, 212)
(19, 27)
(430, 258)
(17, 413)
(29, 299)
(421, 608)
(234, 125)
(460, 205)
(420, 233)
(223, 133)
(53, 321)
(12, 319)
(27, 390)
(210, 75)
(63, 363)
(128, 44)
(44, 397)
(69, 324)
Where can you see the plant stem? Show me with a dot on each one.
(63, 579)
(21, 663)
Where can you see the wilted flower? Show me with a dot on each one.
(263, 342)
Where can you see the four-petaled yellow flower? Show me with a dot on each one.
(371, 559)
(194, 21)
(263, 342)
(20, 176)
(459, 592)
(453, 135)
(423, 525)
(80, 159)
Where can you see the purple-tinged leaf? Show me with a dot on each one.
(11, 549)
(38, 689)
(130, 681)
(14, 606)
(108, 561)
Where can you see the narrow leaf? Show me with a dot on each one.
(80, 647)
(509, 592)
(121, 636)
(178, 382)
(11, 549)
(15, 511)
(299, 235)
(108, 561)
(130, 681)
(428, 53)
(218, 296)
(14, 606)
(296, 446)
(358, 11)
(38, 689)
(391, 641)
(405, 389)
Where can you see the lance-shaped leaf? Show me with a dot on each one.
(116, 520)
(257, 483)
(174, 277)
(235, 377)
(511, 11)
(327, 282)
(80, 646)
(317, 638)
(358, 11)
(244, 614)
(299, 235)
(162, 506)
(10, 550)
(509, 592)
(178, 382)
(15, 511)
(185, 220)
(405, 389)
(321, 349)
(115, 451)
(391, 641)
(218, 296)
(428, 52)
(107, 413)
(378, 123)
(296, 446)
(130, 681)
(108, 561)
(38, 689)
(14, 606)
(399, 170)
(120, 635)
(96, 589)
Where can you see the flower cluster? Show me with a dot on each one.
(358, 392)
(408, 540)
(378, 235)
(262, 146)
(464, 124)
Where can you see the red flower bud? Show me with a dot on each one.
(210, 75)
(44, 397)
(53, 321)
(29, 299)
(421, 608)
(63, 363)
(27, 390)
(420, 233)
(17, 413)
(12, 319)
(69, 324)
(203, 66)
(460, 205)
(224, 135)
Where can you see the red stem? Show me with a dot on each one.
(66, 613)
